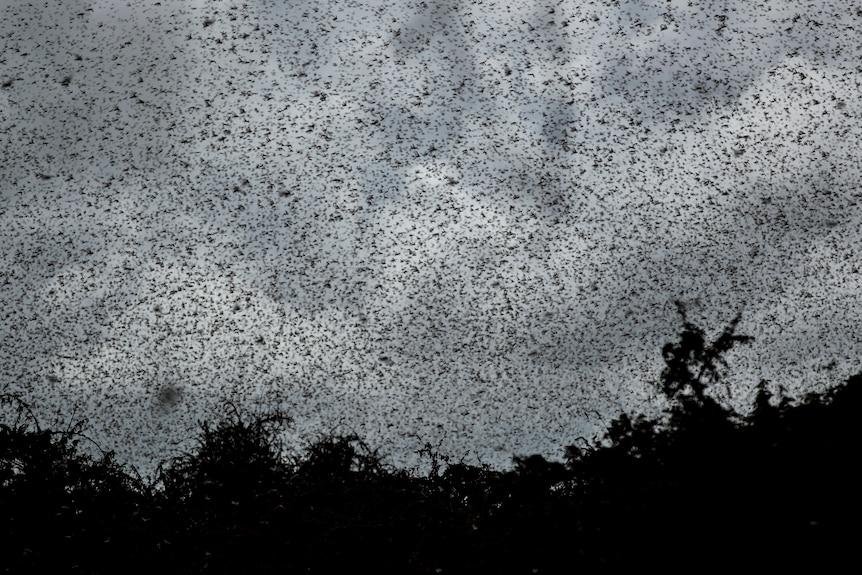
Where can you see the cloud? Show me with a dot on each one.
(456, 223)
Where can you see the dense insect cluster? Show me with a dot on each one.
(448, 222)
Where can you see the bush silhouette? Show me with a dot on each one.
(708, 479)
(57, 505)
(699, 486)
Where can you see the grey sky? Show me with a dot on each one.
(463, 224)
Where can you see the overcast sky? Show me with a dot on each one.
(464, 223)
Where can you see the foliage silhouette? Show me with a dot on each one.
(57, 504)
(778, 488)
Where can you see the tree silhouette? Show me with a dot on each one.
(692, 365)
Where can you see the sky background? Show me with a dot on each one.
(447, 222)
